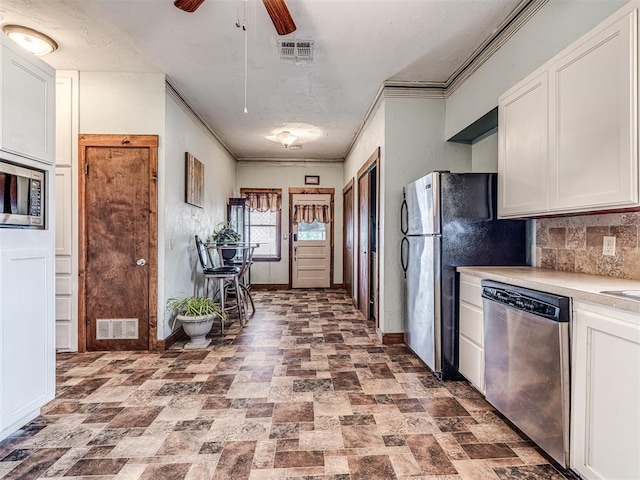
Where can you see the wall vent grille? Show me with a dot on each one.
(296, 50)
(116, 329)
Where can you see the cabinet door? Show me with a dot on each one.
(593, 127)
(27, 350)
(522, 149)
(27, 102)
(471, 358)
(605, 423)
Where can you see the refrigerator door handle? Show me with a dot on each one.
(404, 217)
(404, 255)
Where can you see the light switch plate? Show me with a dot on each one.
(609, 246)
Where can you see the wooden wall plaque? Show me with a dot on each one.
(194, 181)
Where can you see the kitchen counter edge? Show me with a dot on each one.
(580, 286)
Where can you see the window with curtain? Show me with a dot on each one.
(312, 221)
(265, 212)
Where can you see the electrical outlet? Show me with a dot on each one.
(609, 246)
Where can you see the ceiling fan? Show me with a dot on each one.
(277, 10)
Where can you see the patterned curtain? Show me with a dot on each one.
(311, 213)
(264, 201)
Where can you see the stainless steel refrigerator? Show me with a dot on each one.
(449, 220)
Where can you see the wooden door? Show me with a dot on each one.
(311, 247)
(118, 241)
(364, 278)
(347, 235)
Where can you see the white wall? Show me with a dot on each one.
(551, 29)
(415, 145)
(179, 270)
(127, 103)
(410, 132)
(484, 154)
(284, 175)
(122, 103)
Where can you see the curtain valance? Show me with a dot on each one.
(309, 213)
(264, 201)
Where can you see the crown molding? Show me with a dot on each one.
(393, 89)
(277, 162)
(507, 29)
(412, 89)
(191, 111)
(390, 89)
(432, 90)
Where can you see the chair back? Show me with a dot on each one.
(203, 254)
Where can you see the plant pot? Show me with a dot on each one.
(197, 328)
(228, 253)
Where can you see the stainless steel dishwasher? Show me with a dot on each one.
(526, 338)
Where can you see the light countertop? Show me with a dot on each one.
(579, 286)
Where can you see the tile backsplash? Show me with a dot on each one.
(574, 244)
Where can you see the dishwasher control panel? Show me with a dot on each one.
(539, 303)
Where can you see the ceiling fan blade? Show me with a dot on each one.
(188, 5)
(280, 16)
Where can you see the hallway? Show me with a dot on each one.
(304, 391)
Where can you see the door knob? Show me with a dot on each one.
(141, 262)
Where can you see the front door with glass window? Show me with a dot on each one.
(311, 262)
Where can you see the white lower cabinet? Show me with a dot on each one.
(471, 358)
(605, 419)
(27, 353)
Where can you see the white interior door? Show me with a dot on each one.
(311, 262)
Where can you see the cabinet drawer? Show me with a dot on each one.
(471, 363)
(470, 290)
(471, 323)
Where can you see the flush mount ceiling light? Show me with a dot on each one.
(288, 134)
(35, 42)
(286, 138)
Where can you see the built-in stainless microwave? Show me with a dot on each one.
(21, 196)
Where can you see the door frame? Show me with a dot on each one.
(313, 191)
(372, 162)
(86, 141)
(348, 190)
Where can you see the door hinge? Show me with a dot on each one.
(86, 169)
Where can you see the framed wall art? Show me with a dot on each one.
(312, 179)
(194, 194)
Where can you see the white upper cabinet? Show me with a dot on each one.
(27, 103)
(593, 141)
(571, 145)
(522, 146)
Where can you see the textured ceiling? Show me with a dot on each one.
(359, 44)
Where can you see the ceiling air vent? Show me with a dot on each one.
(297, 50)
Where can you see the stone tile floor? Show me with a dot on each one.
(304, 391)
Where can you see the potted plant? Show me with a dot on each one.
(196, 315)
(225, 233)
